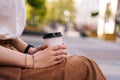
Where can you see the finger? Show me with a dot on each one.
(59, 61)
(59, 57)
(65, 50)
(57, 47)
(59, 52)
(42, 47)
(63, 44)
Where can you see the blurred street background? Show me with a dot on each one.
(89, 27)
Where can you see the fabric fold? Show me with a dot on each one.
(73, 68)
(10, 73)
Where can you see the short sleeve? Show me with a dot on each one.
(4, 8)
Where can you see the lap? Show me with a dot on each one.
(73, 68)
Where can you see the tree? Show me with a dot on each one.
(56, 9)
(37, 11)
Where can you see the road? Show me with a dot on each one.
(105, 53)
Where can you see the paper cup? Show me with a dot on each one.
(53, 39)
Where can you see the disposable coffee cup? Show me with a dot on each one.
(53, 39)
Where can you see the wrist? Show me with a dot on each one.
(31, 50)
(27, 48)
(29, 61)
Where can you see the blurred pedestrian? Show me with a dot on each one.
(66, 28)
(53, 25)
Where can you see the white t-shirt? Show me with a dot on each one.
(12, 18)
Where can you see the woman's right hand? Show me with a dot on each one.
(50, 56)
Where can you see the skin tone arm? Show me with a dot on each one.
(13, 58)
(43, 58)
(21, 45)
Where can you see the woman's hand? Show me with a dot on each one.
(49, 56)
(34, 50)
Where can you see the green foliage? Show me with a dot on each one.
(55, 10)
(42, 11)
(94, 14)
(36, 3)
(36, 12)
(29, 9)
(108, 12)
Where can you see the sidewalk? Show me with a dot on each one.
(106, 54)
